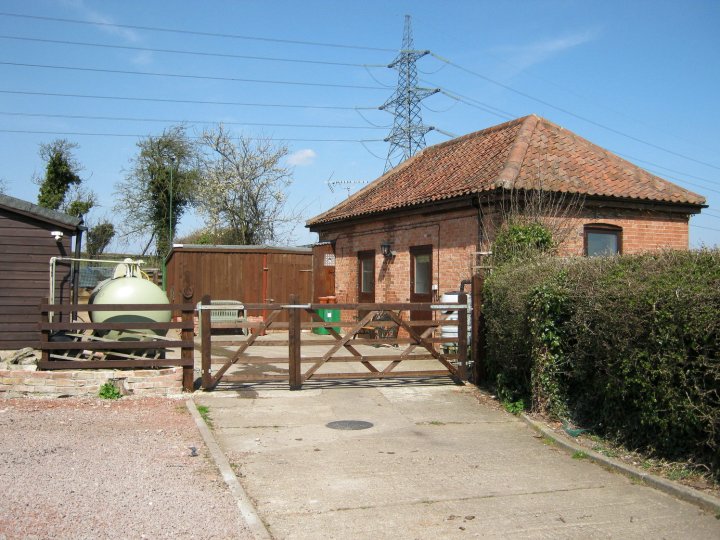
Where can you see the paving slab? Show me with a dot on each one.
(436, 463)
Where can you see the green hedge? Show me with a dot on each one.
(625, 346)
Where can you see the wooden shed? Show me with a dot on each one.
(251, 274)
(29, 237)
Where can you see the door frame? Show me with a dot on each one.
(426, 249)
(365, 297)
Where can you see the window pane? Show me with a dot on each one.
(602, 243)
(422, 274)
(367, 278)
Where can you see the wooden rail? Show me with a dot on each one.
(415, 343)
(90, 350)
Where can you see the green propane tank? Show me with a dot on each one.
(128, 289)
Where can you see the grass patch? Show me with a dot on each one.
(548, 441)
(579, 455)
(204, 411)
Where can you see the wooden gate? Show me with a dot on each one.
(375, 343)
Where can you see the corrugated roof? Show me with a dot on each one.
(521, 154)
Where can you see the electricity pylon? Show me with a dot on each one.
(408, 132)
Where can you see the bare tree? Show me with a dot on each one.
(531, 220)
(242, 193)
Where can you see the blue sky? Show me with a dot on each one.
(638, 78)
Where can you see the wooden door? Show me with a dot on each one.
(421, 265)
(366, 277)
(323, 271)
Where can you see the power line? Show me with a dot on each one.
(706, 228)
(472, 102)
(197, 32)
(626, 156)
(137, 135)
(185, 76)
(190, 101)
(176, 121)
(572, 91)
(574, 115)
(187, 52)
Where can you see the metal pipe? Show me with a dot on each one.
(75, 268)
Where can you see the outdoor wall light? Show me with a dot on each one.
(386, 250)
(57, 235)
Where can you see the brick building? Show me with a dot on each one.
(433, 213)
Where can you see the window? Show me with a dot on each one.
(366, 276)
(422, 273)
(602, 239)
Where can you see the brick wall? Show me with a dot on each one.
(454, 237)
(20, 382)
(641, 232)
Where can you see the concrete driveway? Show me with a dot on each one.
(436, 463)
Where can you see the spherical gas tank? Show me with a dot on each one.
(129, 290)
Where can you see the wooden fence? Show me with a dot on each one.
(372, 324)
(86, 349)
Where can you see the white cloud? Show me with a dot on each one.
(524, 56)
(95, 16)
(302, 158)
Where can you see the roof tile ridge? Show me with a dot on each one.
(507, 176)
(474, 134)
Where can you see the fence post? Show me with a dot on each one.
(205, 343)
(462, 336)
(294, 351)
(187, 353)
(478, 329)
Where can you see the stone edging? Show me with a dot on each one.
(245, 505)
(687, 494)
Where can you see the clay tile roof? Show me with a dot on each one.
(515, 154)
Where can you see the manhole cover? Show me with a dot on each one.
(349, 424)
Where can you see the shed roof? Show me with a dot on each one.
(262, 248)
(43, 214)
(525, 153)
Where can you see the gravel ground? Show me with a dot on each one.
(89, 468)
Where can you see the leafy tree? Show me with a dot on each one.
(3, 185)
(61, 173)
(242, 193)
(158, 188)
(99, 237)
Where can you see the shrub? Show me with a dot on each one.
(521, 241)
(506, 309)
(109, 391)
(627, 346)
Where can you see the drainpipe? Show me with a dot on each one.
(75, 268)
